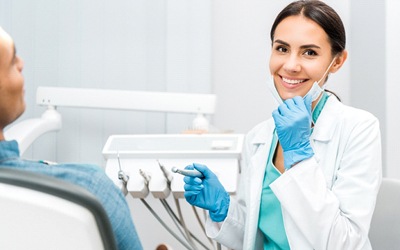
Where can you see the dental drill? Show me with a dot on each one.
(123, 177)
(187, 172)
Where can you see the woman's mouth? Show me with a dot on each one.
(292, 81)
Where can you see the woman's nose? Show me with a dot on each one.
(292, 65)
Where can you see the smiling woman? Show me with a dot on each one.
(311, 173)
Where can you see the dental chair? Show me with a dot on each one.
(384, 233)
(42, 212)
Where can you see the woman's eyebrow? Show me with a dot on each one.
(305, 46)
(281, 42)
(310, 46)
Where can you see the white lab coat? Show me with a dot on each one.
(327, 201)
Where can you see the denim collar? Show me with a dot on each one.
(8, 150)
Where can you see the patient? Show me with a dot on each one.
(91, 177)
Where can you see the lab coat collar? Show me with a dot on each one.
(264, 135)
(325, 126)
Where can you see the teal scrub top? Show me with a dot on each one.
(270, 219)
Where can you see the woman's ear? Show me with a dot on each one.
(339, 61)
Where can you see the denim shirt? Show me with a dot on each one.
(90, 177)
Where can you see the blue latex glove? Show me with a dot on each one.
(207, 193)
(293, 126)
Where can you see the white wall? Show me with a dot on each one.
(368, 75)
(392, 88)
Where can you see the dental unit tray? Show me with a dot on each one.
(144, 153)
(174, 146)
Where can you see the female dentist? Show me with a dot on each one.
(310, 174)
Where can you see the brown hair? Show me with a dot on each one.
(323, 15)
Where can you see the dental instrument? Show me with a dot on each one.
(186, 172)
(123, 177)
(201, 224)
(187, 235)
(166, 173)
(147, 179)
(164, 224)
(179, 222)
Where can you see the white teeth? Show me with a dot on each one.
(292, 81)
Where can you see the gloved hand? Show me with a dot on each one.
(293, 126)
(207, 193)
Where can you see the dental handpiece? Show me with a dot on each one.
(187, 172)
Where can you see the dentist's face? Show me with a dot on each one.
(12, 103)
(301, 54)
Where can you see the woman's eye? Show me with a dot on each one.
(310, 53)
(281, 49)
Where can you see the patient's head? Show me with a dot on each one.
(12, 103)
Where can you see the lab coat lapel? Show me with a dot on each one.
(258, 164)
(327, 121)
(323, 135)
(261, 142)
